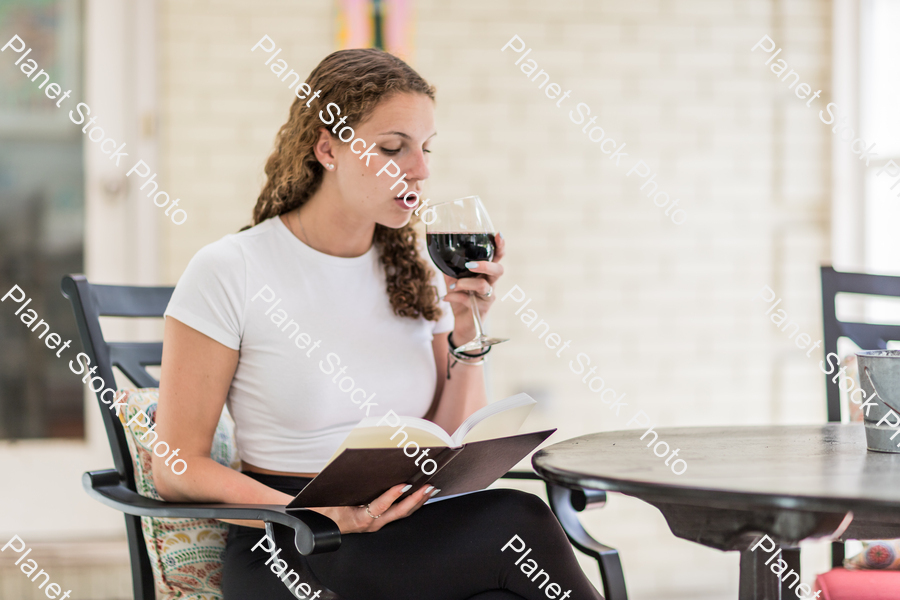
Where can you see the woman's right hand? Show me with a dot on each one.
(352, 519)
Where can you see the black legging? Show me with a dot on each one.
(448, 550)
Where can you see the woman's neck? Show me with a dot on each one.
(322, 223)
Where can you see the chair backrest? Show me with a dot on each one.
(89, 303)
(868, 336)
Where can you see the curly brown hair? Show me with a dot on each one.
(356, 80)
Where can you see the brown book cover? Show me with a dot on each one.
(359, 475)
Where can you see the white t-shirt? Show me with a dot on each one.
(298, 317)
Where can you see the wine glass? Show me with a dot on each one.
(458, 232)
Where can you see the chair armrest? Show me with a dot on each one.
(579, 498)
(521, 475)
(566, 502)
(561, 499)
(314, 533)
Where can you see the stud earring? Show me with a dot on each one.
(330, 167)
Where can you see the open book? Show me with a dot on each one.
(382, 452)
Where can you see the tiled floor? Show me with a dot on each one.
(93, 571)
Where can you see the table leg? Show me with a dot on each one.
(792, 557)
(757, 581)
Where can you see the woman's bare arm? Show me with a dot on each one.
(196, 375)
(463, 393)
(459, 396)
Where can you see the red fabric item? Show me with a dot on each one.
(841, 584)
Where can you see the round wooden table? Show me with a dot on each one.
(791, 483)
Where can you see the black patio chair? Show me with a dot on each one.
(311, 532)
(868, 336)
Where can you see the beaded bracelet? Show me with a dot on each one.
(456, 361)
(462, 358)
(459, 354)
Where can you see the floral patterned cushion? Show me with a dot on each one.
(876, 554)
(186, 554)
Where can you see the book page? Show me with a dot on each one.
(496, 420)
(369, 434)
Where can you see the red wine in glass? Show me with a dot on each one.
(451, 251)
(459, 232)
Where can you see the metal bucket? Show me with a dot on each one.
(879, 376)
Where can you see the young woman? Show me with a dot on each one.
(334, 244)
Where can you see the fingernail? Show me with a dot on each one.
(406, 488)
(428, 489)
(499, 235)
(471, 264)
(435, 492)
(453, 285)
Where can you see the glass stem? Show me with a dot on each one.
(476, 316)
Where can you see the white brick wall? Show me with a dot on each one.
(665, 310)
(221, 107)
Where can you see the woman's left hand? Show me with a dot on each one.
(483, 286)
